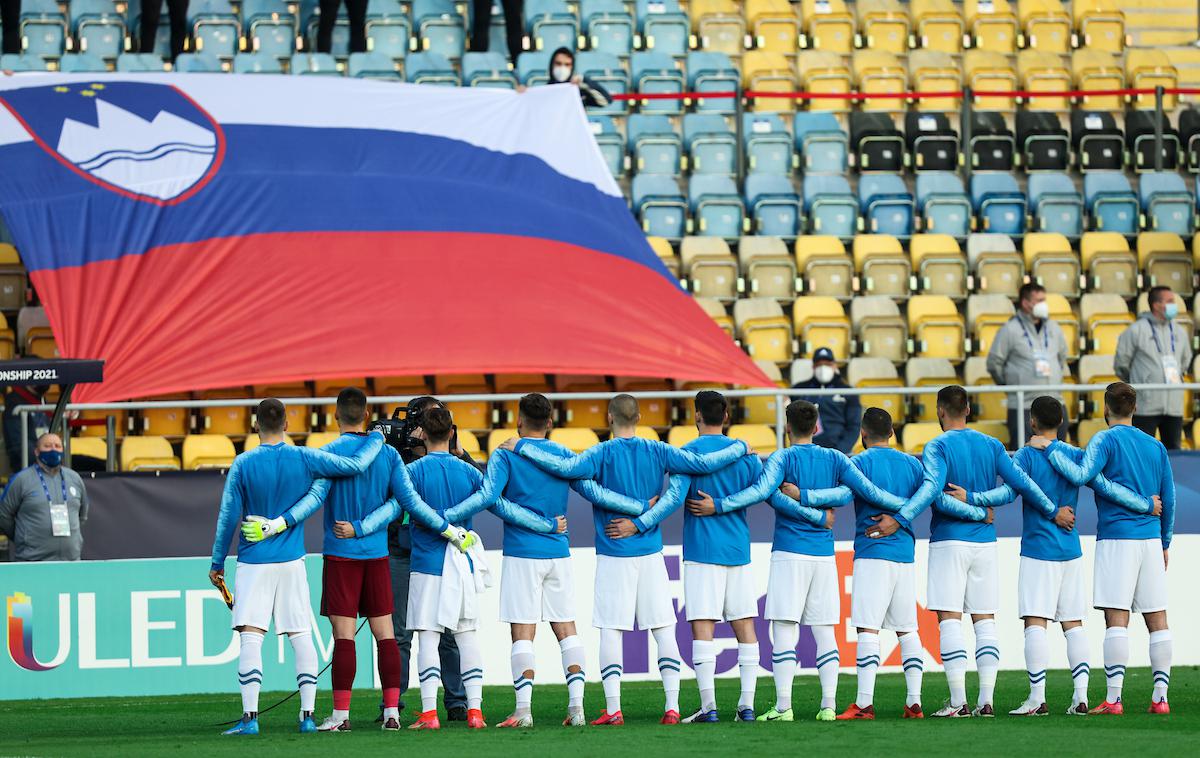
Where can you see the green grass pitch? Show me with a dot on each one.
(183, 725)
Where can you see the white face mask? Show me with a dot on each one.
(561, 73)
(824, 374)
(1041, 310)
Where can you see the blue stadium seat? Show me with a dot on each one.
(1111, 204)
(887, 205)
(269, 27)
(10, 62)
(214, 27)
(606, 70)
(497, 37)
(98, 28)
(831, 208)
(310, 20)
(373, 66)
(821, 141)
(712, 72)
(999, 203)
(654, 145)
(943, 204)
(1167, 206)
(533, 68)
(608, 25)
(388, 29)
(1055, 204)
(196, 63)
(314, 64)
(716, 206)
(711, 145)
(439, 27)
(80, 63)
(131, 63)
(608, 139)
(551, 25)
(430, 68)
(656, 73)
(488, 69)
(133, 25)
(659, 205)
(43, 28)
(767, 144)
(664, 26)
(256, 63)
(774, 205)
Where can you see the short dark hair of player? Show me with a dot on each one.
(351, 406)
(876, 425)
(953, 400)
(1028, 290)
(1046, 413)
(271, 415)
(536, 410)
(624, 410)
(438, 424)
(711, 407)
(802, 418)
(1156, 294)
(1120, 399)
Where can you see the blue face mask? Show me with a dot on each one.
(1171, 310)
(50, 458)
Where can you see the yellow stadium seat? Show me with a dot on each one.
(402, 386)
(763, 330)
(820, 321)
(253, 441)
(662, 248)
(1052, 263)
(940, 265)
(1039, 71)
(1165, 262)
(928, 372)
(827, 26)
(1096, 370)
(656, 411)
(589, 414)
(938, 25)
(915, 436)
(1100, 24)
(171, 423)
(985, 315)
(1147, 69)
(718, 25)
(710, 267)
(774, 24)
(761, 409)
(936, 327)
(765, 71)
(40, 343)
(995, 429)
(205, 451)
(647, 433)
(496, 437)
(1046, 25)
(877, 373)
(681, 435)
(988, 406)
(8, 340)
(1061, 311)
(12, 279)
(877, 72)
(934, 71)
(517, 384)
(992, 25)
(470, 445)
(299, 417)
(716, 311)
(760, 437)
(1105, 316)
(825, 266)
(767, 267)
(320, 439)
(89, 447)
(1088, 428)
(1098, 69)
(994, 261)
(881, 263)
(232, 421)
(575, 440)
(882, 25)
(476, 415)
(988, 70)
(150, 453)
(1108, 263)
(825, 72)
(879, 329)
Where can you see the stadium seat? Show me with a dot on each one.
(533, 68)
(879, 73)
(1052, 263)
(470, 445)
(985, 406)
(879, 329)
(773, 205)
(1054, 203)
(830, 206)
(995, 429)
(801, 371)
(1147, 68)
(718, 25)
(820, 321)
(882, 25)
(824, 72)
(1098, 144)
(1167, 206)
(230, 421)
(1046, 25)
(19, 63)
(581, 413)
(171, 423)
(875, 143)
(654, 146)
(483, 70)
(81, 63)
(711, 144)
(936, 328)
(313, 64)
(655, 73)
(882, 266)
(1100, 25)
(887, 205)
(1043, 143)
(940, 265)
(1165, 262)
(764, 71)
(827, 26)
(606, 70)
(992, 146)
(1189, 131)
(762, 409)
(430, 68)
(1062, 312)
(709, 267)
(656, 411)
(551, 24)
(380, 66)
(774, 25)
(712, 72)
(825, 267)
(663, 26)
(679, 436)
(207, 451)
(716, 311)
(400, 386)
(994, 262)
(608, 25)
(767, 144)
(43, 28)
(309, 15)
(8, 341)
(759, 437)
(821, 142)
(98, 28)
(13, 278)
(198, 63)
(497, 437)
(441, 29)
(269, 28)
(1097, 370)
(716, 206)
(140, 63)
(147, 453)
(938, 25)
(762, 329)
(89, 447)
(1097, 70)
(987, 70)
(666, 254)
(927, 372)
(991, 24)
(40, 343)
(389, 30)
(1109, 265)
(1140, 139)
(659, 205)
(256, 63)
(214, 27)
(609, 140)
(468, 414)
(934, 71)
(998, 203)
(1110, 202)
(881, 373)
(1106, 317)
(943, 204)
(917, 435)
(931, 142)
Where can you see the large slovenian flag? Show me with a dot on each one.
(200, 231)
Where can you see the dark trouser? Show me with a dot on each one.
(481, 29)
(453, 694)
(1063, 429)
(10, 17)
(1169, 428)
(357, 12)
(151, 9)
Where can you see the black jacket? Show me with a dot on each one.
(841, 415)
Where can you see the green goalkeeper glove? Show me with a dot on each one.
(459, 537)
(257, 528)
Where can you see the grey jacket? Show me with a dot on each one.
(25, 515)
(1139, 361)
(1011, 358)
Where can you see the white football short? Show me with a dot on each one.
(536, 589)
(712, 592)
(424, 603)
(632, 588)
(262, 591)
(803, 589)
(884, 595)
(963, 577)
(1130, 575)
(1051, 590)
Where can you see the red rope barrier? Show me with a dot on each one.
(899, 95)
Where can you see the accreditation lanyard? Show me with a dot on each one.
(1029, 340)
(60, 520)
(1157, 344)
(1170, 364)
(1041, 363)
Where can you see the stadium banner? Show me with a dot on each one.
(404, 229)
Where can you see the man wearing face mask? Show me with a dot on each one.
(840, 415)
(44, 507)
(1153, 350)
(1029, 349)
(562, 71)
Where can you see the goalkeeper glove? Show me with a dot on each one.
(459, 537)
(257, 528)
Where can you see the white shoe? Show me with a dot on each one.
(331, 724)
(984, 711)
(1030, 708)
(948, 711)
(1078, 709)
(575, 717)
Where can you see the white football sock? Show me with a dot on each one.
(521, 659)
(250, 670)
(954, 659)
(470, 665)
(829, 660)
(1077, 659)
(1160, 662)
(987, 658)
(1116, 656)
(913, 659)
(611, 660)
(429, 668)
(748, 673)
(785, 635)
(867, 665)
(704, 661)
(306, 670)
(1035, 662)
(573, 657)
(669, 665)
